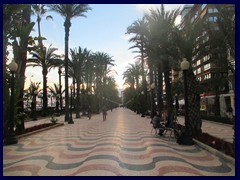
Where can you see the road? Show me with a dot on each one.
(123, 145)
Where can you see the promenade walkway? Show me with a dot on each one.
(121, 146)
(220, 130)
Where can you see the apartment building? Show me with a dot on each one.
(204, 65)
(212, 62)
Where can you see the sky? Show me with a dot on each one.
(103, 30)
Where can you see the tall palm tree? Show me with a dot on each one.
(89, 73)
(60, 81)
(139, 28)
(101, 63)
(20, 34)
(39, 11)
(133, 71)
(56, 92)
(68, 11)
(47, 59)
(188, 36)
(129, 78)
(77, 67)
(162, 24)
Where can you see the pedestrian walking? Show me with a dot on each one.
(104, 111)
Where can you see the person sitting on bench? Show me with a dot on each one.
(156, 122)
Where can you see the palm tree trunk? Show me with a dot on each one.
(152, 90)
(195, 120)
(169, 99)
(45, 98)
(160, 90)
(67, 25)
(20, 56)
(39, 33)
(60, 86)
(78, 101)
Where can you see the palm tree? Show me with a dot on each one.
(188, 36)
(39, 11)
(139, 28)
(11, 30)
(77, 66)
(47, 59)
(11, 13)
(133, 72)
(60, 81)
(129, 78)
(68, 11)
(56, 93)
(102, 61)
(55, 90)
(88, 75)
(21, 40)
(162, 25)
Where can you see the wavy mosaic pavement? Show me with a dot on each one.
(121, 146)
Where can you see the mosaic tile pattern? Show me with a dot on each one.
(121, 146)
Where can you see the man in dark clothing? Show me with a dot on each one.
(156, 121)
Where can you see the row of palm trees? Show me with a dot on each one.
(84, 67)
(161, 45)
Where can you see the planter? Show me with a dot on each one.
(218, 144)
(39, 128)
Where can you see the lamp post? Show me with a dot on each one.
(187, 135)
(11, 139)
(71, 102)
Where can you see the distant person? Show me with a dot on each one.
(104, 111)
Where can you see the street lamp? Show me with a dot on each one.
(71, 102)
(187, 134)
(10, 138)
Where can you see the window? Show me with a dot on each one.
(198, 70)
(205, 58)
(198, 62)
(212, 10)
(207, 66)
(207, 76)
(212, 19)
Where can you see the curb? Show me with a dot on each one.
(215, 152)
(40, 130)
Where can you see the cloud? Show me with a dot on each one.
(168, 7)
(146, 7)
